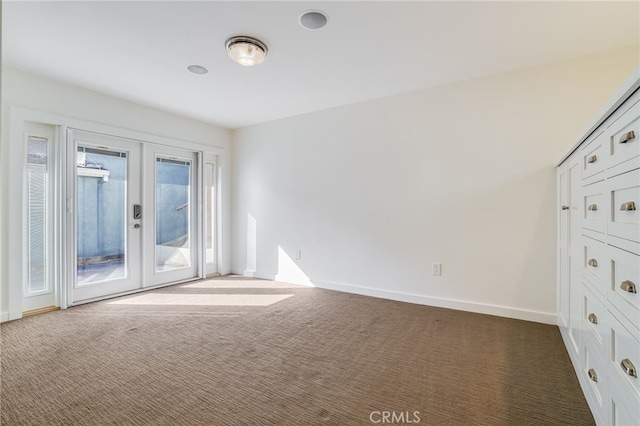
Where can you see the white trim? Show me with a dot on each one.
(462, 305)
(16, 209)
(60, 215)
(260, 275)
(211, 267)
(4, 316)
(254, 274)
(223, 210)
(200, 232)
(24, 114)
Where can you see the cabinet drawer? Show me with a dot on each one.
(595, 264)
(594, 207)
(622, 410)
(624, 211)
(624, 358)
(624, 136)
(625, 284)
(594, 156)
(594, 371)
(595, 318)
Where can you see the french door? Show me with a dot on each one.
(170, 198)
(132, 215)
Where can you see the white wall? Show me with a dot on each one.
(373, 193)
(64, 104)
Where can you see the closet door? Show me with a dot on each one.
(569, 252)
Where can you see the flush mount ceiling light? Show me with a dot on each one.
(247, 51)
(313, 19)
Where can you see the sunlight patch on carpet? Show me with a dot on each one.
(241, 284)
(203, 299)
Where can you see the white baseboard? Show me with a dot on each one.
(263, 276)
(249, 273)
(4, 316)
(461, 305)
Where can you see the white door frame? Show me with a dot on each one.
(12, 261)
(211, 267)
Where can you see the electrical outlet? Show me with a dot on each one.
(436, 269)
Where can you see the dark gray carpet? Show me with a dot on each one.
(316, 357)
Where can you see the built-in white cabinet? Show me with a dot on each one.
(599, 259)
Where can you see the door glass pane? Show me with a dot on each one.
(173, 186)
(37, 188)
(101, 215)
(210, 212)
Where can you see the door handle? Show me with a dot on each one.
(137, 211)
(593, 319)
(593, 263)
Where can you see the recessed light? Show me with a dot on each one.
(313, 19)
(197, 69)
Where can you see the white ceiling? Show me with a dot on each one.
(139, 51)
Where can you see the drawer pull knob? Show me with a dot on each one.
(628, 367)
(627, 137)
(592, 159)
(592, 207)
(627, 207)
(592, 375)
(593, 319)
(593, 263)
(628, 286)
(565, 207)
